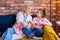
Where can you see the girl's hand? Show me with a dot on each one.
(42, 23)
(32, 22)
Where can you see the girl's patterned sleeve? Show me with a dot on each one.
(47, 22)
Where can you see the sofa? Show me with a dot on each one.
(49, 34)
(6, 21)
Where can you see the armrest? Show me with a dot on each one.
(49, 33)
(58, 23)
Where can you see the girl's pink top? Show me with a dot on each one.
(38, 22)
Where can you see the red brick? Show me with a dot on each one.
(5, 11)
(58, 5)
(9, 2)
(54, 13)
(7, 8)
(18, 8)
(2, 2)
(13, 11)
(47, 13)
(12, 8)
(13, 5)
(40, 1)
(43, 5)
(0, 11)
(53, 5)
(52, 10)
(7, 5)
(58, 11)
(18, 1)
(2, 8)
(59, 8)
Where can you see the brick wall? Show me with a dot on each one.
(56, 14)
(11, 6)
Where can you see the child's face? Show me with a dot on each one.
(39, 14)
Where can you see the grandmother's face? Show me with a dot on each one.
(28, 11)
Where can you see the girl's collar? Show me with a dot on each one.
(39, 17)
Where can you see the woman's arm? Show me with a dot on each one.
(19, 17)
(29, 19)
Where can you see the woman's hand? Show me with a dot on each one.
(32, 22)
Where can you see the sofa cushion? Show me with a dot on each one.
(50, 34)
(6, 21)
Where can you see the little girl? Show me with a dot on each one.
(37, 25)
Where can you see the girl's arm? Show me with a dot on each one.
(47, 22)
